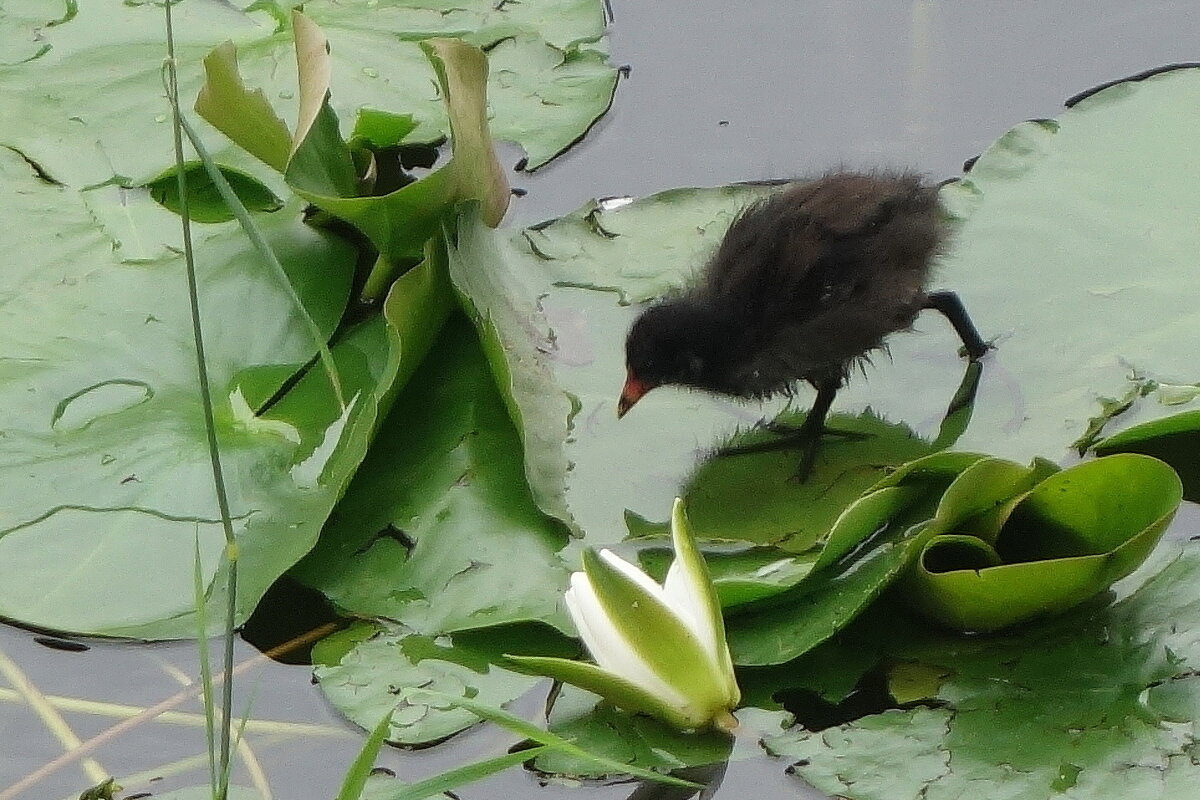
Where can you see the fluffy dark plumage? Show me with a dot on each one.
(804, 283)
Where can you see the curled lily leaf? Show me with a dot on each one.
(1059, 539)
(659, 650)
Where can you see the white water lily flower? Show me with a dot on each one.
(660, 650)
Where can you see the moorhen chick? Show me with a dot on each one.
(806, 283)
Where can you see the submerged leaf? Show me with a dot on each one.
(204, 201)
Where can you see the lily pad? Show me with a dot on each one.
(1095, 703)
(1174, 439)
(438, 530)
(1049, 221)
(362, 669)
(1079, 171)
(551, 79)
(106, 457)
(642, 741)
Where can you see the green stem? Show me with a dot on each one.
(379, 279)
(207, 404)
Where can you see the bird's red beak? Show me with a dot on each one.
(632, 392)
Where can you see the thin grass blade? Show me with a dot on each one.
(356, 777)
(199, 602)
(454, 778)
(171, 84)
(266, 253)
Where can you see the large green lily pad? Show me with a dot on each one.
(1075, 247)
(106, 465)
(1067, 307)
(89, 107)
(555, 301)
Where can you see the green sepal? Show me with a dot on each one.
(613, 688)
(689, 559)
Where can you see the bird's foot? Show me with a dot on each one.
(975, 352)
(800, 434)
(789, 437)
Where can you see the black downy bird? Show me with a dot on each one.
(806, 283)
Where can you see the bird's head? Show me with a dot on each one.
(674, 342)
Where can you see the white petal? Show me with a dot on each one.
(687, 600)
(608, 647)
(644, 581)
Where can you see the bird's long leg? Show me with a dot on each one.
(950, 306)
(814, 424)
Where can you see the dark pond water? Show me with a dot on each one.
(717, 92)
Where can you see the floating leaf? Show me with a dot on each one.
(104, 447)
(1112, 174)
(106, 115)
(362, 669)
(1174, 439)
(438, 530)
(1099, 702)
(105, 453)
